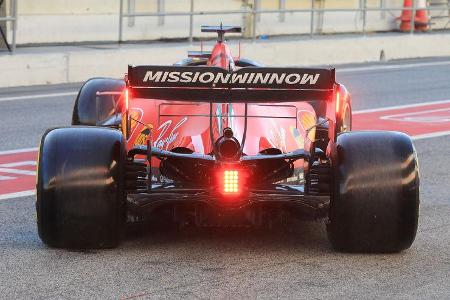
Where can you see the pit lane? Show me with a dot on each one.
(227, 263)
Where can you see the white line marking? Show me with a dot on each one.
(427, 119)
(18, 151)
(400, 106)
(38, 96)
(416, 137)
(430, 135)
(17, 195)
(19, 164)
(6, 178)
(16, 171)
(392, 67)
(341, 70)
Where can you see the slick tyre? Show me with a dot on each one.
(375, 198)
(80, 187)
(87, 110)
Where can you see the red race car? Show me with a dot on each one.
(216, 140)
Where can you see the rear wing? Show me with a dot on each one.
(212, 84)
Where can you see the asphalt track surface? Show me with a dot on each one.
(281, 263)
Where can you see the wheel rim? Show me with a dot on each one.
(346, 124)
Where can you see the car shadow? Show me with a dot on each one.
(300, 235)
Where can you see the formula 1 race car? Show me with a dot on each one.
(216, 140)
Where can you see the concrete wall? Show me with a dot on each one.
(64, 21)
(3, 24)
(76, 64)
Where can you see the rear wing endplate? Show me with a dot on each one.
(213, 84)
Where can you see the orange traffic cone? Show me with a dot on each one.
(406, 16)
(421, 19)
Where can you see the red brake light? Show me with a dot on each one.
(338, 100)
(126, 99)
(231, 182)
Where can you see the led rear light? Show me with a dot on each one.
(231, 182)
(127, 98)
(338, 102)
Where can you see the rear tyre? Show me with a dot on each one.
(80, 187)
(375, 199)
(86, 110)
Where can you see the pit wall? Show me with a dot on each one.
(68, 21)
